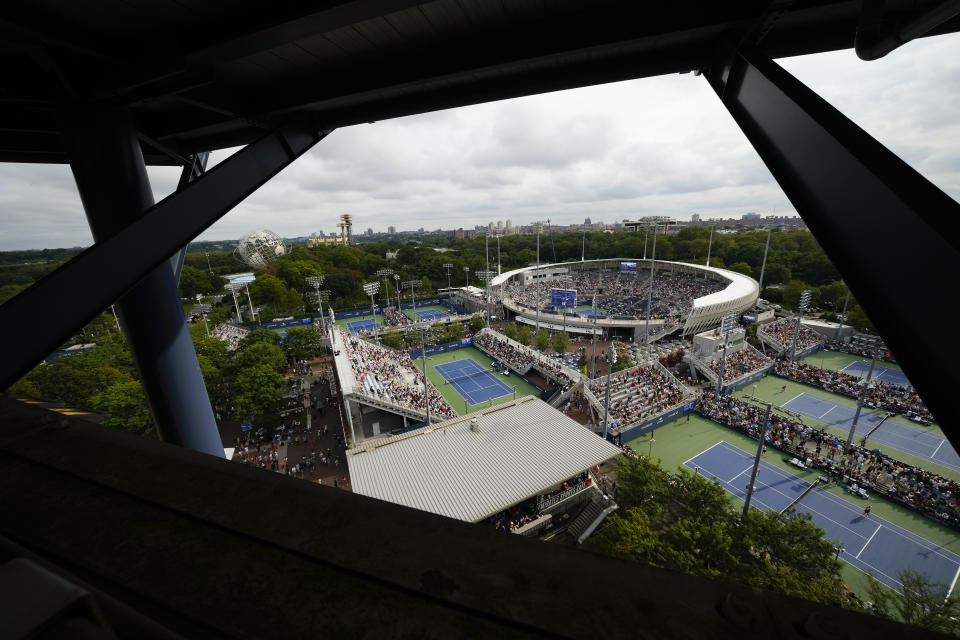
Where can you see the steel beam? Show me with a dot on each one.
(62, 302)
(890, 232)
(197, 164)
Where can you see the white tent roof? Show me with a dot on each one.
(521, 450)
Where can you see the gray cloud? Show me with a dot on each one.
(655, 146)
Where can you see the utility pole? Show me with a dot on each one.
(860, 399)
(371, 289)
(756, 461)
(653, 261)
(763, 267)
(448, 266)
(385, 274)
(611, 360)
(804, 301)
(583, 244)
(466, 276)
(396, 282)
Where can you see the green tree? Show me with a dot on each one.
(776, 273)
(561, 342)
(542, 339)
(741, 267)
(259, 336)
(857, 318)
(922, 603)
(194, 281)
(392, 338)
(476, 324)
(268, 289)
(524, 335)
(257, 390)
(302, 343)
(511, 331)
(127, 406)
(791, 293)
(260, 354)
(454, 331)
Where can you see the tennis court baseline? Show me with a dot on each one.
(472, 381)
(894, 433)
(870, 543)
(430, 314)
(362, 325)
(880, 372)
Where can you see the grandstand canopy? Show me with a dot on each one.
(521, 449)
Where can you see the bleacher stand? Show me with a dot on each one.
(230, 333)
(738, 364)
(783, 330)
(639, 393)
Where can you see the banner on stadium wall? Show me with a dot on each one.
(747, 380)
(420, 303)
(565, 298)
(628, 267)
(433, 350)
(647, 426)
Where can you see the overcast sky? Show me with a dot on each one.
(658, 146)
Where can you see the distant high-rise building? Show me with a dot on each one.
(369, 232)
(391, 229)
(491, 227)
(420, 230)
(695, 217)
(750, 217)
(587, 221)
(509, 227)
(499, 227)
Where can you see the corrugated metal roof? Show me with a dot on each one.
(521, 450)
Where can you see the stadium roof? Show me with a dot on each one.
(522, 449)
(202, 75)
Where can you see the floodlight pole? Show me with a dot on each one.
(498, 254)
(396, 282)
(426, 388)
(466, 276)
(487, 243)
(726, 328)
(113, 308)
(611, 360)
(385, 274)
(863, 395)
(709, 247)
(583, 243)
(763, 267)
(371, 289)
(646, 236)
(593, 338)
(233, 289)
(653, 261)
(209, 268)
(843, 314)
(801, 307)
(448, 266)
(253, 316)
(538, 277)
(756, 461)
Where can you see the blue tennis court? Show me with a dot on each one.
(871, 544)
(430, 314)
(472, 381)
(880, 372)
(362, 325)
(894, 433)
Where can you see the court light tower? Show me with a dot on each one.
(253, 314)
(371, 289)
(709, 246)
(385, 274)
(865, 386)
(843, 315)
(537, 273)
(611, 360)
(323, 296)
(209, 268)
(804, 302)
(396, 282)
(583, 243)
(763, 266)
(756, 461)
(411, 334)
(316, 282)
(727, 326)
(653, 261)
(487, 276)
(466, 275)
(414, 285)
(448, 266)
(498, 254)
(233, 287)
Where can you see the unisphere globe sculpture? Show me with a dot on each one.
(259, 247)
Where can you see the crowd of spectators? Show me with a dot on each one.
(639, 393)
(929, 493)
(624, 294)
(784, 330)
(521, 514)
(738, 364)
(396, 318)
(230, 333)
(392, 376)
(858, 348)
(521, 358)
(880, 395)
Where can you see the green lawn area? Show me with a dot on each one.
(768, 389)
(677, 442)
(455, 399)
(826, 359)
(437, 307)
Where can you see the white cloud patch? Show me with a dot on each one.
(660, 145)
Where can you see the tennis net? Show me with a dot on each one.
(470, 376)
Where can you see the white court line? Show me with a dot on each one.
(792, 399)
(869, 540)
(704, 451)
(954, 583)
(937, 449)
(826, 412)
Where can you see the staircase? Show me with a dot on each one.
(598, 508)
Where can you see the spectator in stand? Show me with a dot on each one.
(521, 358)
(883, 395)
(230, 333)
(639, 393)
(738, 364)
(783, 331)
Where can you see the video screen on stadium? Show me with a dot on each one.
(628, 266)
